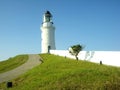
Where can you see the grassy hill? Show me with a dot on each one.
(59, 73)
(12, 63)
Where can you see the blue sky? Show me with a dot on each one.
(92, 23)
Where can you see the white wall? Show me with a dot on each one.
(107, 57)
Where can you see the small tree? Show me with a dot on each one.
(75, 49)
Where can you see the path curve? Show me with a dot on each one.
(32, 61)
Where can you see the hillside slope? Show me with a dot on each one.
(59, 73)
(12, 63)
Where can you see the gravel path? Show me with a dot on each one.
(33, 61)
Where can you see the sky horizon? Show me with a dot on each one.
(92, 23)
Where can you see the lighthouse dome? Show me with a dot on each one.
(48, 14)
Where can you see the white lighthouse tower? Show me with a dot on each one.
(47, 33)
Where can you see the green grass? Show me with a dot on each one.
(59, 73)
(12, 63)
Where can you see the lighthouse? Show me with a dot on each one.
(47, 33)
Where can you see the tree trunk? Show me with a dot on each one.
(76, 57)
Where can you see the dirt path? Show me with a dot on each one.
(33, 61)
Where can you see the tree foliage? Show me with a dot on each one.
(75, 49)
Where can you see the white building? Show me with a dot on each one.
(48, 46)
(47, 33)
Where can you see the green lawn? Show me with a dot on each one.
(12, 63)
(59, 73)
